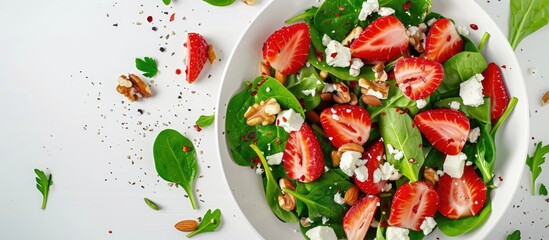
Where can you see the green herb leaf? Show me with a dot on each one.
(210, 222)
(204, 120)
(147, 65)
(219, 3)
(514, 235)
(535, 161)
(167, 2)
(527, 16)
(175, 160)
(542, 190)
(43, 184)
(151, 204)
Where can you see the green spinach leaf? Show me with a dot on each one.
(151, 204)
(481, 113)
(451, 227)
(512, 103)
(147, 65)
(469, 45)
(210, 222)
(396, 99)
(205, 120)
(307, 14)
(336, 18)
(398, 129)
(527, 16)
(409, 12)
(43, 184)
(175, 160)
(515, 235)
(219, 3)
(434, 159)
(483, 152)
(307, 88)
(320, 202)
(339, 72)
(535, 161)
(459, 68)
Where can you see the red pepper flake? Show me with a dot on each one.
(319, 56)
(255, 160)
(172, 17)
(333, 55)
(344, 88)
(359, 138)
(110, 231)
(198, 128)
(342, 8)
(473, 26)
(149, 19)
(284, 119)
(500, 179)
(407, 5)
(503, 66)
(178, 71)
(352, 84)
(186, 148)
(337, 15)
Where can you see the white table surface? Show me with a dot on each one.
(58, 68)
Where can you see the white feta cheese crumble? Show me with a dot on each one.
(259, 170)
(338, 55)
(326, 39)
(398, 155)
(348, 162)
(387, 171)
(396, 233)
(368, 8)
(321, 233)
(468, 163)
(455, 105)
(289, 120)
(361, 173)
(473, 135)
(338, 199)
(328, 88)
(309, 92)
(387, 187)
(326, 169)
(325, 220)
(471, 91)
(356, 64)
(428, 225)
(421, 103)
(454, 164)
(275, 159)
(386, 11)
(440, 173)
(462, 31)
(431, 21)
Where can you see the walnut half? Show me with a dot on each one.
(133, 87)
(262, 113)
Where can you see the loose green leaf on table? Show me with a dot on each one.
(167, 2)
(210, 222)
(514, 235)
(205, 120)
(219, 3)
(527, 16)
(175, 160)
(43, 183)
(535, 161)
(151, 204)
(542, 190)
(147, 65)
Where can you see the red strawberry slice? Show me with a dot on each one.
(446, 129)
(417, 77)
(383, 40)
(197, 54)
(303, 158)
(286, 49)
(359, 217)
(461, 197)
(412, 203)
(494, 87)
(346, 124)
(374, 155)
(443, 41)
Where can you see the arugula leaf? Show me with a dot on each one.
(43, 184)
(151, 204)
(175, 160)
(514, 235)
(219, 3)
(535, 161)
(167, 2)
(147, 65)
(210, 222)
(527, 16)
(204, 120)
(542, 190)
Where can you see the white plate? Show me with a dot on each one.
(243, 63)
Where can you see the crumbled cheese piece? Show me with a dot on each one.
(387, 187)
(289, 120)
(386, 11)
(259, 170)
(321, 233)
(440, 173)
(326, 169)
(462, 31)
(309, 92)
(361, 173)
(396, 233)
(356, 64)
(326, 40)
(473, 135)
(338, 199)
(348, 162)
(338, 55)
(454, 164)
(268, 89)
(398, 155)
(368, 8)
(471, 91)
(325, 220)
(468, 163)
(387, 171)
(275, 159)
(428, 225)
(421, 103)
(455, 105)
(328, 88)
(431, 21)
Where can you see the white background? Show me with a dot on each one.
(59, 61)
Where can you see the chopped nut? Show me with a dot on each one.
(336, 157)
(377, 89)
(133, 87)
(354, 99)
(249, 2)
(430, 176)
(545, 99)
(371, 100)
(351, 147)
(352, 35)
(286, 201)
(262, 113)
(417, 37)
(305, 222)
(186, 225)
(211, 54)
(312, 116)
(379, 67)
(323, 74)
(284, 183)
(280, 77)
(342, 94)
(326, 96)
(265, 70)
(381, 76)
(351, 196)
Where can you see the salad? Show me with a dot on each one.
(372, 120)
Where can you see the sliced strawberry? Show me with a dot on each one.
(494, 87)
(346, 124)
(286, 49)
(374, 155)
(303, 158)
(443, 41)
(446, 129)
(359, 217)
(418, 77)
(197, 54)
(461, 197)
(383, 40)
(412, 203)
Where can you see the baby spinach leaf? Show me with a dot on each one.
(542, 190)
(147, 65)
(219, 3)
(175, 160)
(483, 152)
(272, 190)
(210, 222)
(339, 72)
(434, 159)
(316, 39)
(307, 88)
(43, 184)
(396, 99)
(459, 68)
(301, 207)
(337, 227)
(334, 177)
(512, 103)
(309, 13)
(527, 16)
(398, 129)
(320, 202)
(409, 12)
(151, 204)
(469, 45)
(205, 120)
(535, 161)
(515, 235)
(325, 145)
(481, 113)
(336, 18)
(451, 227)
